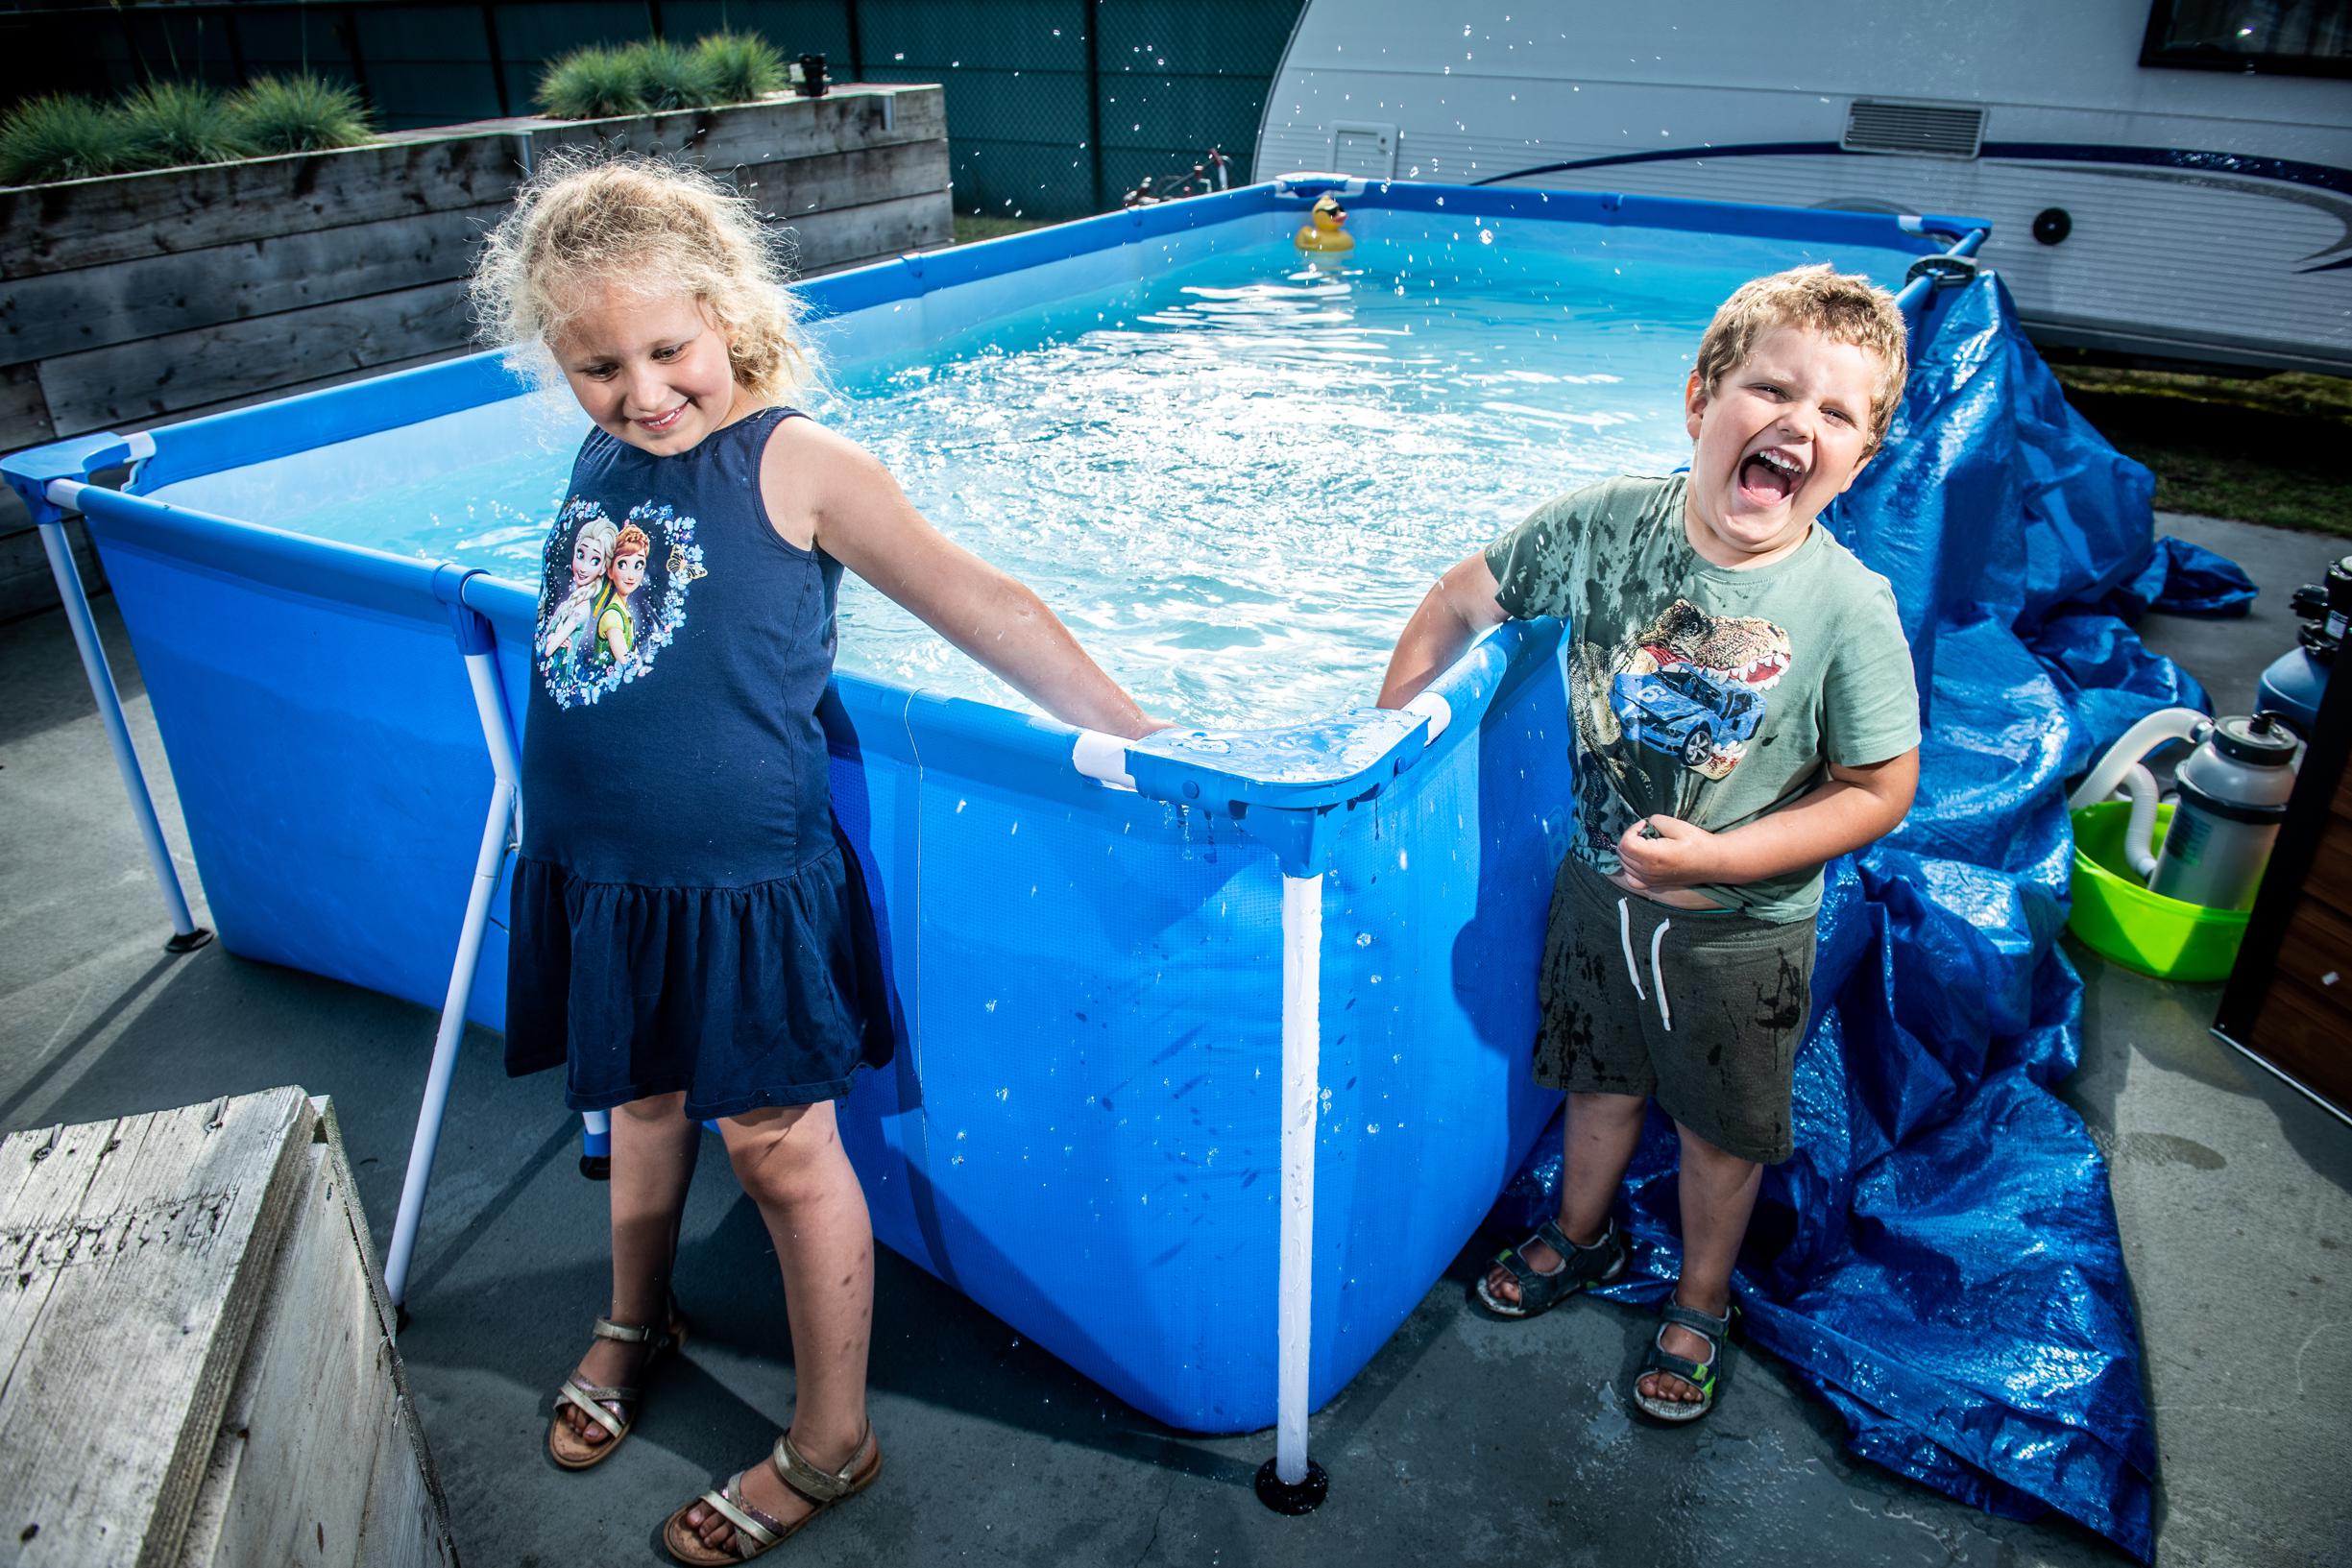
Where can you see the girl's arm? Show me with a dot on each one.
(825, 491)
(1456, 609)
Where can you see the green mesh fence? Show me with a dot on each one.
(1055, 107)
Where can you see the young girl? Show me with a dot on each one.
(689, 936)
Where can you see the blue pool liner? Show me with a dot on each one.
(2182, 579)
(1940, 1260)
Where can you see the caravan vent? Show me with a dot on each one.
(1912, 127)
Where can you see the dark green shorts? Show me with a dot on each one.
(1702, 1009)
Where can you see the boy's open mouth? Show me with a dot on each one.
(1770, 476)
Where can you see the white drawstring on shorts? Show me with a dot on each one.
(1657, 976)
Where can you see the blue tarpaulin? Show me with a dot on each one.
(1940, 1259)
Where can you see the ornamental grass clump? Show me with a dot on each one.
(742, 66)
(591, 83)
(176, 123)
(299, 114)
(669, 76)
(60, 137)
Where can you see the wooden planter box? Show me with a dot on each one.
(142, 299)
(196, 1358)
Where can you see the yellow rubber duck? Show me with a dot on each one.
(1321, 230)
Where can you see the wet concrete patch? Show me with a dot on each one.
(2169, 1148)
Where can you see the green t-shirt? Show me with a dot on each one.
(1699, 692)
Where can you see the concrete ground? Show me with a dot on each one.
(1466, 1438)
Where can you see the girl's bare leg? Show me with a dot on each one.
(653, 1164)
(791, 1163)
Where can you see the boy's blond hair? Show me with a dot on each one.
(586, 221)
(1844, 308)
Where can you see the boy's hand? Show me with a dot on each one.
(1663, 852)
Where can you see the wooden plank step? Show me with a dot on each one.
(320, 1456)
(132, 1257)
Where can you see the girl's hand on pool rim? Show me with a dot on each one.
(824, 492)
(1664, 851)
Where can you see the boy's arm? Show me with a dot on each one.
(1852, 806)
(1456, 609)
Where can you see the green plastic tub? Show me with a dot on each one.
(2118, 918)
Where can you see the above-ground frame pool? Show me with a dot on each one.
(1086, 939)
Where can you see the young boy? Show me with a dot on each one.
(1743, 710)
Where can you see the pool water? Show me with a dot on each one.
(1233, 481)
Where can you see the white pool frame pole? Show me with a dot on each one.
(497, 828)
(186, 934)
(1302, 936)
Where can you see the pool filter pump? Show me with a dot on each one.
(2233, 795)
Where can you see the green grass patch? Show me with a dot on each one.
(2261, 449)
(741, 66)
(722, 68)
(591, 83)
(177, 123)
(299, 114)
(669, 76)
(61, 136)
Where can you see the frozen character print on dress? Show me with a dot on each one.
(612, 596)
(563, 630)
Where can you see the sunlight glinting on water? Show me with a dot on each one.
(1233, 481)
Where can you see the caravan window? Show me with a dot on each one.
(2302, 37)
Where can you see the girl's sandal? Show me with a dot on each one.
(1540, 1291)
(571, 1449)
(1700, 1375)
(755, 1532)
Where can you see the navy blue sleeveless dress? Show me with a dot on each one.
(685, 913)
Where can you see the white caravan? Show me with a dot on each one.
(2165, 178)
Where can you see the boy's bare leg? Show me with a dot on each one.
(1718, 1192)
(1597, 1143)
(653, 1164)
(791, 1163)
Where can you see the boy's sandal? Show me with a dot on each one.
(757, 1533)
(1539, 1292)
(1704, 1376)
(571, 1449)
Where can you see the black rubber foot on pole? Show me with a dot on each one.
(1283, 1497)
(188, 941)
(596, 1167)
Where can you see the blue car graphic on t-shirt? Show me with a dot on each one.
(1685, 712)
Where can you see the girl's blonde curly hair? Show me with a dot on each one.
(587, 220)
